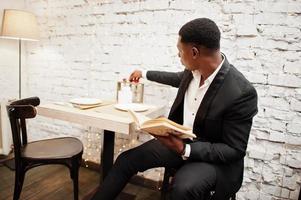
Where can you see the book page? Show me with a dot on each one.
(164, 129)
(165, 120)
(161, 126)
(139, 119)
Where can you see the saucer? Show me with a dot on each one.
(137, 107)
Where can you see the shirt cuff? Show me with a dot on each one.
(144, 74)
(187, 151)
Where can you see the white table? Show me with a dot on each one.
(105, 117)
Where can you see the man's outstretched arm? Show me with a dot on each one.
(167, 78)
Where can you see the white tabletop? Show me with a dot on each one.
(105, 117)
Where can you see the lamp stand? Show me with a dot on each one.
(20, 87)
(22, 25)
(10, 161)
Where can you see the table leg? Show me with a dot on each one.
(107, 154)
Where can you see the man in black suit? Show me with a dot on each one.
(214, 99)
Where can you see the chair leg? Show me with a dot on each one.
(74, 176)
(165, 184)
(19, 179)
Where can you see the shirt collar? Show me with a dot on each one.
(196, 74)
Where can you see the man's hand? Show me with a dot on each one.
(135, 76)
(173, 143)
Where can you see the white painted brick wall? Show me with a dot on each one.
(86, 46)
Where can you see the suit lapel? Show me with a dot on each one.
(210, 94)
(205, 104)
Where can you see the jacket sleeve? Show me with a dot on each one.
(168, 78)
(236, 128)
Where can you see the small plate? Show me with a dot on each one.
(86, 101)
(137, 107)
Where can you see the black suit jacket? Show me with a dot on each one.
(222, 123)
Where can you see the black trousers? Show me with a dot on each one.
(192, 181)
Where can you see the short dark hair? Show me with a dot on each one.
(202, 32)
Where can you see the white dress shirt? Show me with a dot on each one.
(193, 98)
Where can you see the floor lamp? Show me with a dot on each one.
(18, 25)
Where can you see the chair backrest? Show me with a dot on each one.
(18, 111)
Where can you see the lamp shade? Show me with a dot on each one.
(18, 24)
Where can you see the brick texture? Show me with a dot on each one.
(86, 46)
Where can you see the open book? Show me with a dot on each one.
(161, 126)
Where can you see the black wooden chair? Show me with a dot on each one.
(65, 151)
(167, 181)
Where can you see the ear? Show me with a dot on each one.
(195, 52)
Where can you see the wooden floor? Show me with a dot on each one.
(53, 182)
